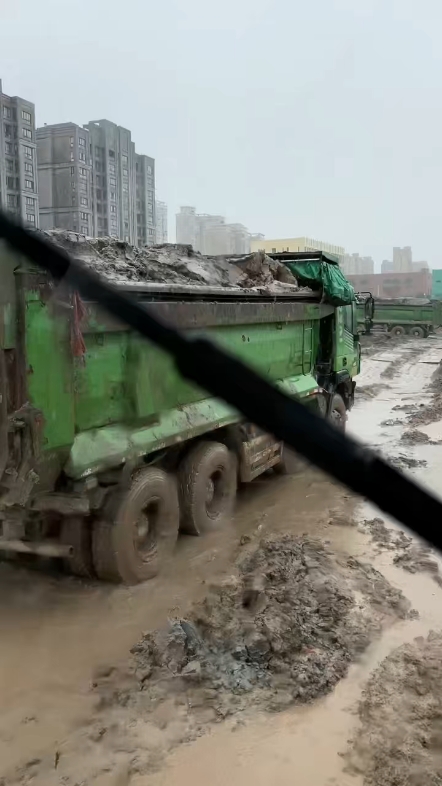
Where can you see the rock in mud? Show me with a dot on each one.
(406, 462)
(415, 437)
(400, 740)
(410, 554)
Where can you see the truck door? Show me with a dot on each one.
(346, 354)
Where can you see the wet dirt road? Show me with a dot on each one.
(55, 632)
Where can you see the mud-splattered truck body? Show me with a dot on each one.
(402, 317)
(106, 451)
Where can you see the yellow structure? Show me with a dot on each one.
(296, 244)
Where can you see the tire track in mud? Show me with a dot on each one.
(400, 739)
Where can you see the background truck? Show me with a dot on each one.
(106, 452)
(415, 317)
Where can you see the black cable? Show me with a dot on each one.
(226, 377)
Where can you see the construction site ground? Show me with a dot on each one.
(302, 644)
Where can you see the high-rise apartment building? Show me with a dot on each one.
(402, 259)
(18, 161)
(161, 222)
(113, 180)
(65, 178)
(354, 265)
(94, 182)
(187, 226)
(387, 266)
(145, 200)
(210, 234)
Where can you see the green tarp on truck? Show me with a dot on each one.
(320, 271)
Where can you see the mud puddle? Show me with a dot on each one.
(57, 631)
(282, 631)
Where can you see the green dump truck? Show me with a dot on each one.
(106, 452)
(412, 316)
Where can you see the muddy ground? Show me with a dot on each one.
(304, 629)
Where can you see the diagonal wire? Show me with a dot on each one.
(224, 376)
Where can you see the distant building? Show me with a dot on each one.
(436, 287)
(387, 266)
(296, 244)
(65, 178)
(161, 222)
(416, 266)
(95, 183)
(354, 264)
(395, 284)
(113, 180)
(210, 234)
(402, 259)
(145, 225)
(18, 159)
(186, 226)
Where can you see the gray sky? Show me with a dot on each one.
(294, 118)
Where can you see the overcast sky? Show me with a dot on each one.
(321, 119)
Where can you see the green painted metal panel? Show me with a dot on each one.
(99, 449)
(49, 372)
(102, 385)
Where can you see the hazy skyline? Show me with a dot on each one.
(323, 121)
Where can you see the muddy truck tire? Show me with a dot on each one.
(139, 531)
(207, 487)
(417, 332)
(397, 330)
(338, 412)
(76, 532)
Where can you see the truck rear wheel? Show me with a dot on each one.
(140, 529)
(398, 330)
(75, 532)
(417, 332)
(207, 487)
(338, 412)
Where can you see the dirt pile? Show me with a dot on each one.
(173, 264)
(410, 554)
(429, 413)
(416, 437)
(282, 630)
(260, 270)
(400, 741)
(369, 391)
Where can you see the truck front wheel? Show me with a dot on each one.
(338, 412)
(207, 487)
(140, 529)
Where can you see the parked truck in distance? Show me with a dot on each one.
(106, 451)
(417, 317)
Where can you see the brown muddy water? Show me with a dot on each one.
(56, 632)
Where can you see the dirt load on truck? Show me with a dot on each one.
(106, 451)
